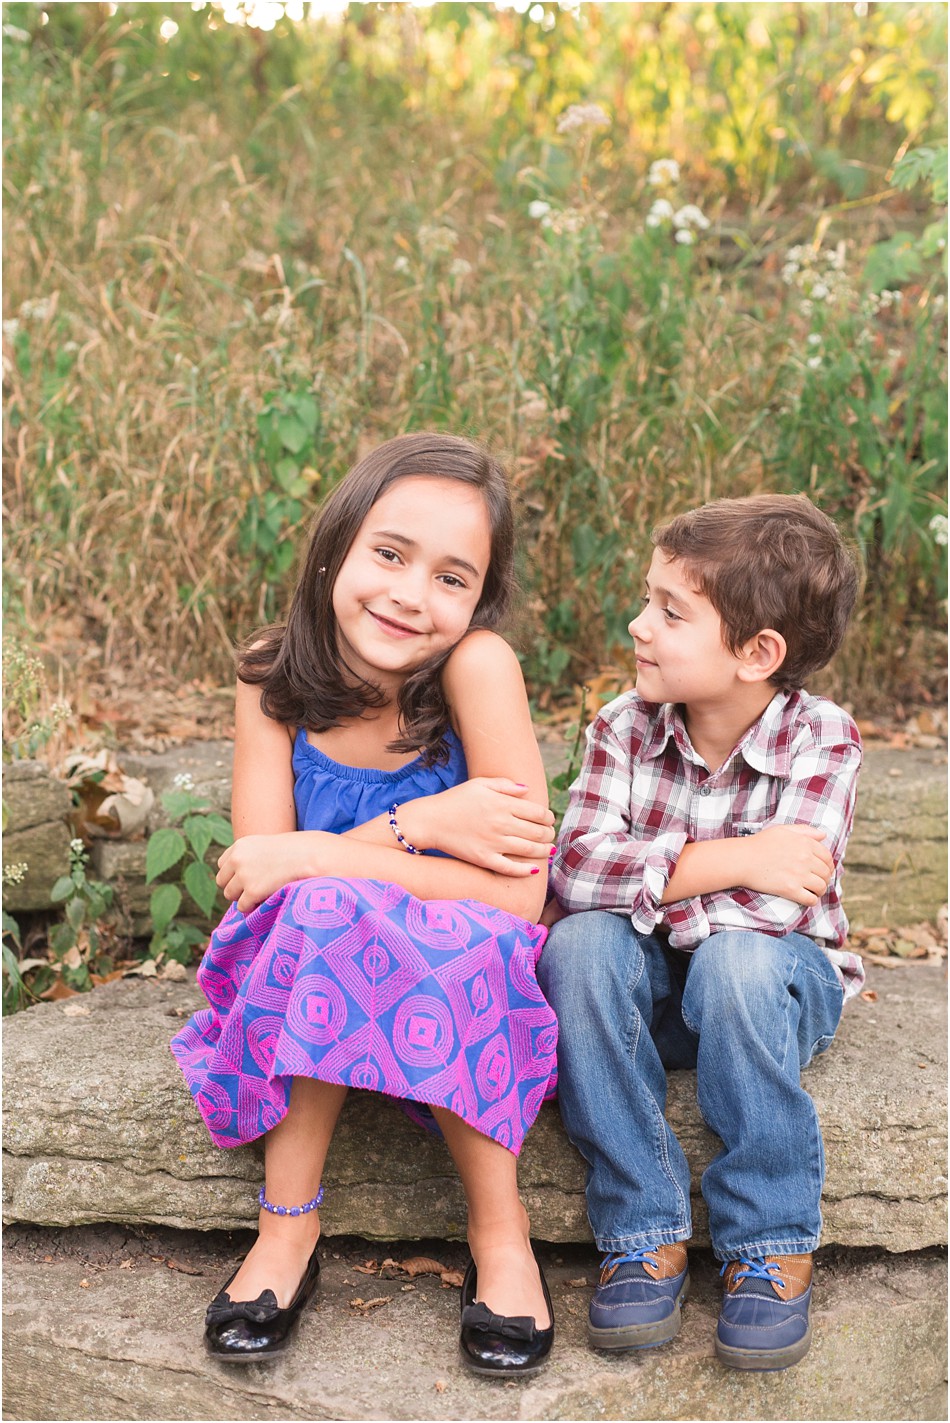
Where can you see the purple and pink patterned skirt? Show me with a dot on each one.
(357, 982)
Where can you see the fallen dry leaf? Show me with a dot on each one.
(84, 1284)
(419, 1265)
(869, 995)
(125, 1265)
(440, 1385)
(59, 989)
(453, 1278)
(370, 1268)
(908, 949)
(577, 1284)
(182, 1268)
(367, 1304)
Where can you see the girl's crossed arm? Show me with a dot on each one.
(490, 818)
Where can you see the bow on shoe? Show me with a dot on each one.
(223, 1310)
(511, 1326)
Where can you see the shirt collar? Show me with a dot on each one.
(766, 746)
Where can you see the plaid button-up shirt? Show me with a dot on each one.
(643, 793)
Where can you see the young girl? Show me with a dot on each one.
(393, 833)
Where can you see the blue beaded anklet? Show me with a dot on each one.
(290, 1210)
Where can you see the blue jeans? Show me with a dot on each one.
(748, 1011)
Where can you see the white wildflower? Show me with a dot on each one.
(819, 291)
(401, 264)
(577, 116)
(661, 210)
(533, 406)
(690, 216)
(11, 329)
(184, 781)
(664, 170)
(652, 220)
(538, 209)
(36, 310)
(814, 339)
(685, 236)
(17, 872)
(13, 32)
(436, 238)
(570, 220)
(938, 527)
(814, 363)
(60, 712)
(77, 846)
(460, 268)
(806, 307)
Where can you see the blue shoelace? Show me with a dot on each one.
(756, 1270)
(629, 1257)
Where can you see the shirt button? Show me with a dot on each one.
(705, 790)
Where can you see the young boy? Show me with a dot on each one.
(699, 864)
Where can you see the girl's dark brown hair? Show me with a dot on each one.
(303, 678)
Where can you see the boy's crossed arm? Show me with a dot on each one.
(623, 851)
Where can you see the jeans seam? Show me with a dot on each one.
(659, 1120)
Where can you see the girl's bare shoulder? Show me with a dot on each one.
(481, 653)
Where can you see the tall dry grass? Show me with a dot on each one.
(171, 268)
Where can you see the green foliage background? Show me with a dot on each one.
(235, 257)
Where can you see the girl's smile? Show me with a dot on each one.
(412, 579)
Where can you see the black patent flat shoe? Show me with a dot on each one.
(500, 1345)
(244, 1331)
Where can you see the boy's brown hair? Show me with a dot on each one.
(770, 561)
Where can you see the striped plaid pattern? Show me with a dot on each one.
(643, 793)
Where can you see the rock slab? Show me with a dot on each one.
(36, 810)
(92, 1334)
(98, 1126)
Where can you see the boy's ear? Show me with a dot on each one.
(762, 656)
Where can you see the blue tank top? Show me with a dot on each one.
(331, 796)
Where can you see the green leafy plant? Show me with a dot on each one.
(200, 828)
(15, 991)
(559, 785)
(288, 432)
(77, 943)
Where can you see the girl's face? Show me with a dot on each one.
(409, 586)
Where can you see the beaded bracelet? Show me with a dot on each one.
(290, 1210)
(401, 838)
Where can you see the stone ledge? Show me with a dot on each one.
(99, 1328)
(98, 1126)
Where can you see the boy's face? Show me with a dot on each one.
(677, 635)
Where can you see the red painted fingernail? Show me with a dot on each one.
(552, 852)
(535, 869)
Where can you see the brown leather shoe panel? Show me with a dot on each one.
(793, 1279)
